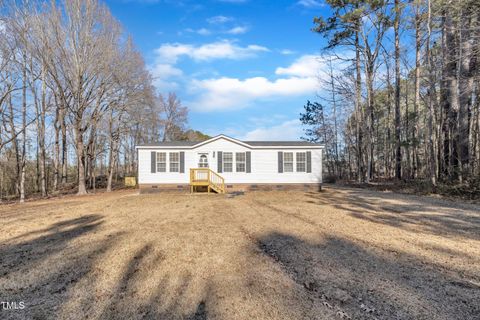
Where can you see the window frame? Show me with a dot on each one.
(301, 162)
(170, 161)
(226, 162)
(203, 164)
(288, 162)
(241, 162)
(157, 162)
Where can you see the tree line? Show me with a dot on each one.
(402, 101)
(75, 99)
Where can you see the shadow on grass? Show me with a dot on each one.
(164, 303)
(52, 240)
(368, 285)
(41, 270)
(60, 229)
(20, 212)
(405, 212)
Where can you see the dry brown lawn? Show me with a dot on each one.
(337, 254)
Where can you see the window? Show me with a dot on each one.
(161, 162)
(240, 161)
(288, 162)
(227, 162)
(174, 158)
(203, 161)
(301, 161)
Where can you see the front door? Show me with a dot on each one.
(203, 160)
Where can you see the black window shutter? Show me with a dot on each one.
(153, 161)
(220, 162)
(309, 161)
(182, 161)
(248, 158)
(280, 162)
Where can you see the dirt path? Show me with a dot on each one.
(341, 253)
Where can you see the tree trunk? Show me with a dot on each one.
(56, 156)
(24, 132)
(388, 139)
(91, 150)
(358, 109)
(408, 168)
(467, 65)
(112, 159)
(476, 138)
(41, 136)
(111, 154)
(370, 119)
(452, 69)
(63, 128)
(335, 130)
(93, 167)
(82, 189)
(432, 160)
(15, 146)
(398, 152)
(416, 101)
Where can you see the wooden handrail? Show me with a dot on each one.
(207, 177)
(217, 180)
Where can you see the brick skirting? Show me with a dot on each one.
(230, 187)
(154, 188)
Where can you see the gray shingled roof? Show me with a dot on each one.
(170, 144)
(280, 143)
(251, 143)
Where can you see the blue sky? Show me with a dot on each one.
(244, 68)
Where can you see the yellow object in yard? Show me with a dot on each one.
(205, 177)
(130, 182)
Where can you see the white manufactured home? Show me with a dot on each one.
(223, 164)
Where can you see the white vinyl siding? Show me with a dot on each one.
(161, 162)
(288, 162)
(240, 161)
(301, 161)
(228, 162)
(174, 159)
(264, 165)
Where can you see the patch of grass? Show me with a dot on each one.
(342, 252)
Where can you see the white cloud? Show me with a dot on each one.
(310, 3)
(219, 19)
(170, 52)
(287, 52)
(230, 30)
(225, 25)
(164, 75)
(237, 30)
(266, 120)
(288, 130)
(232, 93)
(201, 31)
(165, 70)
(224, 93)
(167, 77)
(305, 66)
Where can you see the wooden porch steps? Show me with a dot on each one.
(205, 177)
